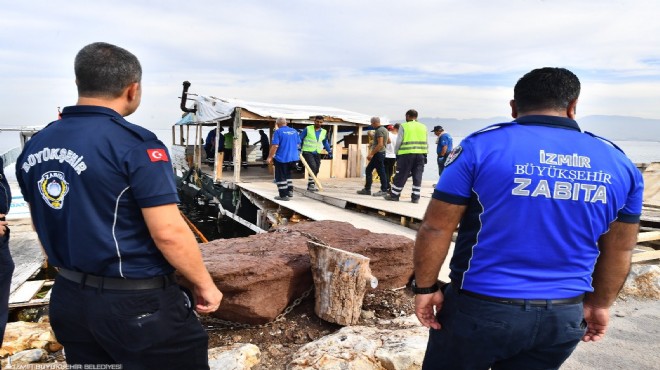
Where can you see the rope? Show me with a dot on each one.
(194, 229)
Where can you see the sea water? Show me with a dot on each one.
(637, 151)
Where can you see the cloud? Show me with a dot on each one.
(446, 58)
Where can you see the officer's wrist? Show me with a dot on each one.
(424, 290)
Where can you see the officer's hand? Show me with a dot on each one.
(269, 160)
(4, 225)
(207, 299)
(424, 308)
(597, 320)
(369, 157)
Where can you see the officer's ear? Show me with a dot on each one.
(133, 91)
(514, 110)
(571, 110)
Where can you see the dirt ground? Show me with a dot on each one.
(632, 340)
(279, 341)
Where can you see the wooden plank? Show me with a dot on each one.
(26, 291)
(645, 256)
(648, 236)
(27, 255)
(36, 301)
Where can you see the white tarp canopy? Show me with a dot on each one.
(213, 109)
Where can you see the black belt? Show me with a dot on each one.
(117, 283)
(524, 302)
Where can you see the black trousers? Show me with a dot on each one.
(283, 177)
(405, 165)
(229, 155)
(6, 271)
(389, 169)
(441, 164)
(140, 329)
(314, 162)
(376, 163)
(244, 155)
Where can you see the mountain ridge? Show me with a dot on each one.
(608, 126)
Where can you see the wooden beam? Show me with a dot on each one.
(648, 236)
(645, 256)
(359, 153)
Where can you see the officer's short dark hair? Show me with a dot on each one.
(411, 113)
(105, 70)
(546, 88)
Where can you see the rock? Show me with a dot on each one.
(366, 348)
(259, 275)
(262, 274)
(390, 256)
(238, 356)
(367, 315)
(22, 335)
(643, 282)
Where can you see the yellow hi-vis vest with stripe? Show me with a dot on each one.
(311, 144)
(414, 138)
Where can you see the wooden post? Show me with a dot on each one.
(340, 281)
(238, 136)
(336, 154)
(219, 160)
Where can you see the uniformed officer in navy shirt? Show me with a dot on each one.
(548, 219)
(6, 262)
(104, 204)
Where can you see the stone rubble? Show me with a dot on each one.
(366, 348)
(239, 356)
(643, 282)
(23, 335)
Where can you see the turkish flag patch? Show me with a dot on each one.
(156, 155)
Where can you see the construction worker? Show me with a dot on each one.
(314, 139)
(411, 148)
(229, 148)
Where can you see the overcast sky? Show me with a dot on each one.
(452, 59)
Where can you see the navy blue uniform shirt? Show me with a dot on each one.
(5, 191)
(539, 194)
(86, 178)
(5, 196)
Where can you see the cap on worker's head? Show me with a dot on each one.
(437, 128)
(390, 127)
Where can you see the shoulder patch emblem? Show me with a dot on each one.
(156, 155)
(453, 155)
(53, 187)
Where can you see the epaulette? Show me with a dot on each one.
(140, 132)
(493, 127)
(605, 140)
